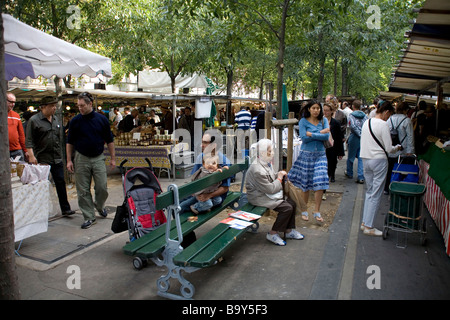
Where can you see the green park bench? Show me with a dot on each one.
(163, 245)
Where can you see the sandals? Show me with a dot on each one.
(305, 216)
(318, 217)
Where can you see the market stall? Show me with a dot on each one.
(435, 174)
(159, 155)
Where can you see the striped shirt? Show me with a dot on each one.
(243, 119)
(253, 125)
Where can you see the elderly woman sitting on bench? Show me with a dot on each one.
(265, 189)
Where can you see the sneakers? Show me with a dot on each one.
(361, 181)
(103, 213)
(88, 223)
(372, 232)
(294, 234)
(347, 175)
(275, 238)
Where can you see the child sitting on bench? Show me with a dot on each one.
(198, 203)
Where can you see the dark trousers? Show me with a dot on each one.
(286, 216)
(332, 162)
(57, 171)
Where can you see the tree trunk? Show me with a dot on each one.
(320, 80)
(322, 59)
(335, 76)
(172, 82)
(261, 84)
(9, 286)
(67, 81)
(294, 90)
(344, 78)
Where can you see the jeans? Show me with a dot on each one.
(200, 206)
(86, 169)
(353, 152)
(375, 172)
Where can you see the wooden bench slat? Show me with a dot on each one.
(206, 250)
(165, 199)
(254, 209)
(153, 243)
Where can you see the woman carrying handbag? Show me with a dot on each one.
(375, 140)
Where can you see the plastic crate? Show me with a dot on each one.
(405, 173)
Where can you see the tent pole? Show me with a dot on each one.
(439, 101)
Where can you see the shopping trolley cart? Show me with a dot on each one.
(406, 211)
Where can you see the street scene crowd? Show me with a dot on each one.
(349, 128)
(186, 90)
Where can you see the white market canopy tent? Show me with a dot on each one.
(424, 67)
(31, 52)
(409, 98)
(160, 81)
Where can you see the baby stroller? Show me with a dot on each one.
(138, 212)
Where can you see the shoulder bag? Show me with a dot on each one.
(330, 142)
(375, 138)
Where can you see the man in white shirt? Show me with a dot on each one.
(346, 108)
(117, 117)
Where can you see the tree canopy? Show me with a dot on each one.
(316, 47)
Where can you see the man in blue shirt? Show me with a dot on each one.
(208, 146)
(88, 132)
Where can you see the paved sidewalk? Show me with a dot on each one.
(331, 265)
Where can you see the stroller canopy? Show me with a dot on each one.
(145, 175)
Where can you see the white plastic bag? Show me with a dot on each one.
(35, 173)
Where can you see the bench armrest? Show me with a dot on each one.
(174, 210)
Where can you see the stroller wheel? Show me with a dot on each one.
(138, 263)
(385, 232)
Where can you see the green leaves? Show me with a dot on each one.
(237, 37)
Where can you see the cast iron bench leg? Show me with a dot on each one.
(187, 289)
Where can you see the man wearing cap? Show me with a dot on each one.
(15, 130)
(88, 133)
(43, 143)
